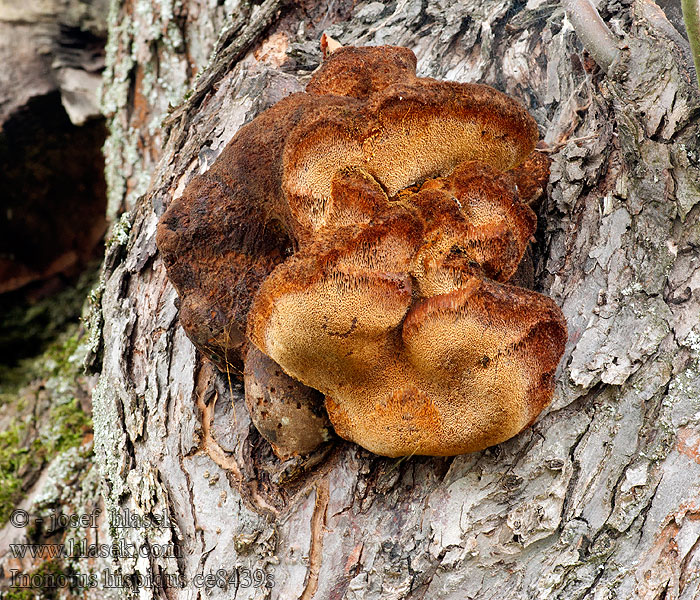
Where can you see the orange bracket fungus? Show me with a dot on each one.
(353, 245)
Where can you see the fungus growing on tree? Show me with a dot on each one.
(355, 242)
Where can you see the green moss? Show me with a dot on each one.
(20, 594)
(28, 327)
(70, 424)
(13, 378)
(32, 440)
(10, 494)
(15, 458)
(57, 360)
(46, 582)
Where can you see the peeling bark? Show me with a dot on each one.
(599, 499)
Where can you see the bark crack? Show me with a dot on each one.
(575, 466)
(645, 511)
(224, 459)
(318, 524)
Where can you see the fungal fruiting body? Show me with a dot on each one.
(360, 237)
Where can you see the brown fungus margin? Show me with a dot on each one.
(361, 235)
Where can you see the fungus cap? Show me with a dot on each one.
(361, 235)
(453, 365)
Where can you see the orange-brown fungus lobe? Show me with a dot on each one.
(361, 236)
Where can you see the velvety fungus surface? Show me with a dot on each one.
(353, 245)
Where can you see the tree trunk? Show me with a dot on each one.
(599, 499)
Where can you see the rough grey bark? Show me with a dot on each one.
(599, 499)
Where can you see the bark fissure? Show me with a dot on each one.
(318, 526)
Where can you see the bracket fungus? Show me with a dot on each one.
(355, 242)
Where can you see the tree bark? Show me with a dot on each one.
(599, 499)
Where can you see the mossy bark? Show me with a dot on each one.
(597, 499)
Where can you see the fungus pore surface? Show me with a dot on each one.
(353, 245)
